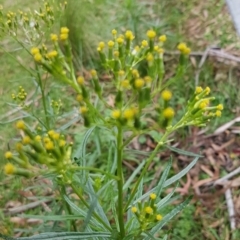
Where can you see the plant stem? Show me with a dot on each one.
(69, 209)
(43, 98)
(148, 162)
(120, 181)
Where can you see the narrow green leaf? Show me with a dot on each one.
(180, 174)
(67, 236)
(182, 152)
(132, 177)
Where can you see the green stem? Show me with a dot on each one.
(43, 98)
(69, 210)
(98, 218)
(147, 164)
(120, 181)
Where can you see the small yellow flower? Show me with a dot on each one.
(9, 168)
(34, 50)
(156, 48)
(52, 54)
(198, 90)
(181, 46)
(116, 54)
(134, 209)
(54, 37)
(56, 136)
(64, 30)
(125, 84)
(20, 125)
(18, 146)
(79, 98)
(83, 110)
(51, 132)
(150, 57)
(8, 155)
(101, 46)
(218, 113)
(129, 35)
(208, 90)
(62, 143)
(153, 196)
(220, 107)
(163, 38)
(26, 140)
(120, 40)
(49, 145)
(116, 114)
(148, 79)
(114, 32)
(139, 83)
(160, 50)
(121, 73)
(144, 43)
(129, 114)
(168, 113)
(63, 36)
(38, 138)
(166, 95)
(80, 80)
(203, 105)
(151, 34)
(135, 73)
(159, 217)
(111, 44)
(38, 57)
(148, 210)
(93, 73)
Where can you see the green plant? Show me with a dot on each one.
(110, 205)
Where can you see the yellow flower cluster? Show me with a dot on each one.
(182, 47)
(146, 213)
(50, 150)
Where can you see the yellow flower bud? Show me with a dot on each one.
(116, 114)
(144, 43)
(9, 168)
(120, 40)
(49, 145)
(80, 80)
(134, 209)
(79, 98)
(168, 113)
(63, 36)
(93, 73)
(129, 114)
(159, 217)
(153, 196)
(166, 95)
(38, 138)
(163, 38)
(101, 45)
(8, 155)
(20, 125)
(198, 90)
(139, 83)
(218, 113)
(220, 107)
(54, 37)
(114, 32)
(26, 140)
(151, 34)
(38, 57)
(34, 50)
(52, 54)
(125, 84)
(64, 30)
(129, 35)
(111, 44)
(83, 110)
(148, 210)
